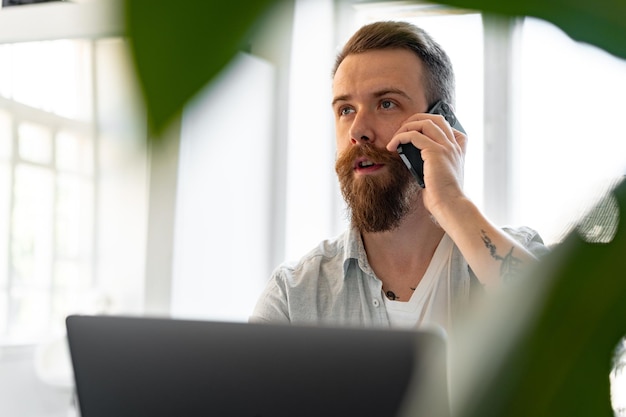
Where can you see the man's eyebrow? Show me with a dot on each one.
(344, 97)
(379, 93)
(388, 91)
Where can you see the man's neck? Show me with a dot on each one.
(401, 256)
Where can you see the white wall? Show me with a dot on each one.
(313, 201)
(285, 188)
(122, 201)
(222, 238)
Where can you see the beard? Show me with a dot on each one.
(379, 202)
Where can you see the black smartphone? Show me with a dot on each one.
(412, 156)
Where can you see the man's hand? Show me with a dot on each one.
(443, 151)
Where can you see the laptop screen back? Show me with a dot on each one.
(131, 367)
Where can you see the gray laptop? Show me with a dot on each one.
(133, 367)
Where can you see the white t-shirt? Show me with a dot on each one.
(421, 309)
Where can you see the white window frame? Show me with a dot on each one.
(99, 19)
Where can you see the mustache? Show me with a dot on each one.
(377, 155)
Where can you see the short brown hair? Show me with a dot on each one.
(438, 73)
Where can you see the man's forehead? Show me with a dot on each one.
(374, 72)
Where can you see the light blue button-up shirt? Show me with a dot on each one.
(334, 285)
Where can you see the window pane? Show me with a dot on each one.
(74, 153)
(31, 245)
(74, 217)
(28, 314)
(72, 273)
(4, 309)
(53, 76)
(6, 70)
(65, 301)
(5, 203)
(6, 136)
(35, 143)
(569, 147)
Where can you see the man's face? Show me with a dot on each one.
(373, 93)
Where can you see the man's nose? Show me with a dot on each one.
(361, 130)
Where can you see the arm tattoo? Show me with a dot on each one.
(510, 267)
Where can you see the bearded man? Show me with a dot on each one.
(413, 256)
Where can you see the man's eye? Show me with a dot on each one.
(345, 111)
(387, 104)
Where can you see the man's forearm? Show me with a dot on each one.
(493, 255)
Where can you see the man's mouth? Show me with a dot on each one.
(365, 164)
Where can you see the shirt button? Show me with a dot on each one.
(376, 302)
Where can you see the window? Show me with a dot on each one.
(48, 165)
(72, 185)
(568, 144)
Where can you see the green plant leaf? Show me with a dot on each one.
(178, 47)
(546, 348)
(597, 22)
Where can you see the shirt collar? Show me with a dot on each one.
(355, 252)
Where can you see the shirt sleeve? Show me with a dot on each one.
(529, 238)
(272, 306)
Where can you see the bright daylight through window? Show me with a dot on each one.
(47, 168)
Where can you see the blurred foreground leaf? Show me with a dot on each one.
(597, 22)
(180, 46)
(545, 349)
